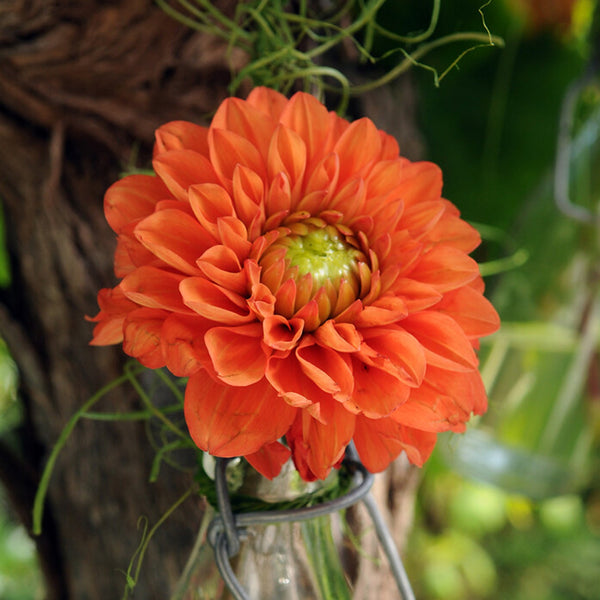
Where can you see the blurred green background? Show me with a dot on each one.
(512, 508)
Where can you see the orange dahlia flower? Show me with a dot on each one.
(310, 282)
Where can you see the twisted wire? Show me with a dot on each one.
(225, 529)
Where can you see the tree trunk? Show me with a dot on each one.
(83, 85)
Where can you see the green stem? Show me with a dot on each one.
(155, 412)
(42, 491)
(411, 59)
(138, 557)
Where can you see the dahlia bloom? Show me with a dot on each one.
(310, 282)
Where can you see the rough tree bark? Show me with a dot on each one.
(83, 85)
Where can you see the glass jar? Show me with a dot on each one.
(298, 560)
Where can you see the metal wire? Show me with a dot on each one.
(226, 528)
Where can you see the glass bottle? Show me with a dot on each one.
(282, 561)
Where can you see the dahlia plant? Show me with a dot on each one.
(310, 282)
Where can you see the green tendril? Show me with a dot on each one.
(42, 491)
(286, 49)
(137, 559)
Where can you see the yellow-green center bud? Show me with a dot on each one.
(323, 254)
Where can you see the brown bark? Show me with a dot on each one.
(83, 85)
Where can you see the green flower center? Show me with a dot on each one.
(324, 255)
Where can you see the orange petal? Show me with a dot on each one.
(248, 199)
(329, 370)
(421, 182)
(130, 254)
(416, 295)
(233, 234)
(228, 150)
(236, 353)
(466, 389)
(285, 374)
(380, 441)
(210, 202)
(131, 199)
(350, 198)
(215, 302)
(281, 334)
(398, 351)
(141, 336)
(269, 459)
(246, 122)
(377, 391)
(262, 301)
(342, 337)
(317, 447)
(472, 311)
(285, 298)
(445, 268)
(287, 155)
(306, 116)
(180, 135)
(278, 201)
(358, 148)
(455, 232)
(182, 340)
(268, 101)
(322, 179)
(221, 265)
(231, 421)
(421, 217)
(154, 288)
(384, 177)
(431, 410)
(174, 237)
(445, 343)
(180, 169)
(384, 311)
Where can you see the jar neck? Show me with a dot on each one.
(288, 485)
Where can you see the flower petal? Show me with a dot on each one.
(228, 150)
(421, 182)
(269, 459)
(131, 199)
(306, 116)
(342, 337)
(281, 334)
(154, 288)
(180, 135)
(141, 336)
(358, 148)
(174, 237)
(377, 388)
(210, 202)
(179, 169)
(380, 441)
(318, 445)
(246, 122)
(237, 354)
(227, 421)
(445, 268)
(287, 155)
(183, 347)
(471, 310)
(214, 302)
(328, 369)
(445, 343)
(398, 350)
(221, 265)
(268, 101)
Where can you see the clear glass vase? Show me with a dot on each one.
(281, 561)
